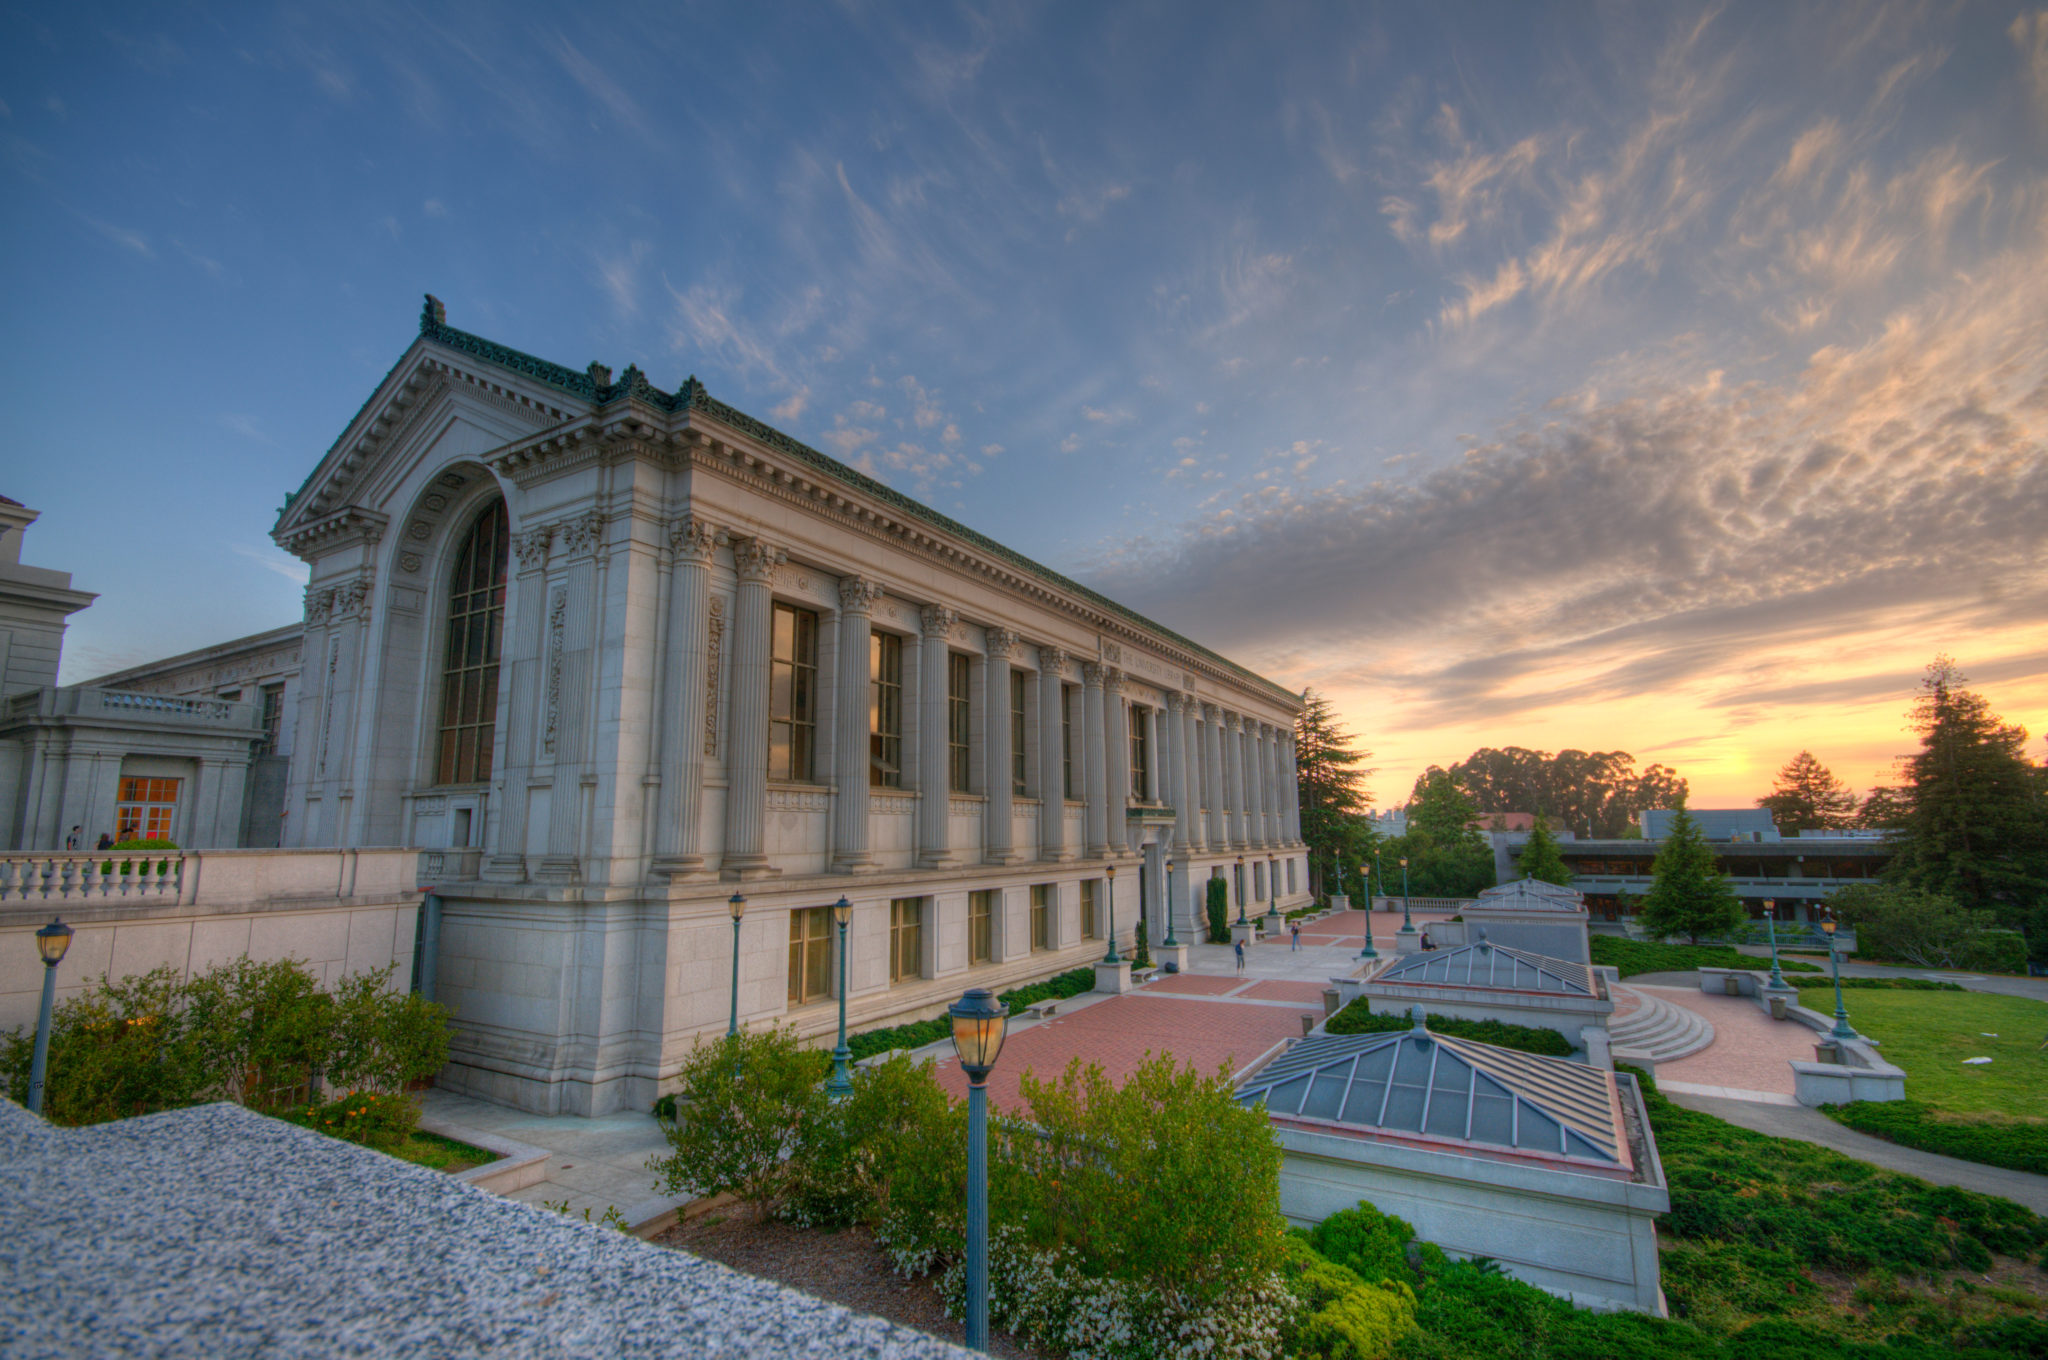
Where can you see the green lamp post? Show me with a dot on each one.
(841, 1084)
(979, 1023)
(1842, 1029)
(1407, 923)
(51, 942)
(1365, 888)
(1771, 924)
(1109, 891)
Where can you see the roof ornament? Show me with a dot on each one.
(600, 374)
(1419, 1017)
(432, 314)
(1482, 938)
(690, 393)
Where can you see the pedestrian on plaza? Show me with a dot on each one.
(1240, 956)
(106, 842)
(1426, 945)
(1294, 929)
(76, 840)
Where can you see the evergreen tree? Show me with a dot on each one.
(1688, 895)
(1332, 788)
(1447, 857)
(1540, 859)
(1808, 797)
(1975, 825)
(1884, 809)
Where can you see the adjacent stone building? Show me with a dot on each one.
(616, 655)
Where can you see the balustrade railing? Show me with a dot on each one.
(72, 877)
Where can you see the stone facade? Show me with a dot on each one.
(699, 622)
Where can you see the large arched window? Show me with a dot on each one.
(469, 669)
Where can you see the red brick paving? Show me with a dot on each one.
(1308, 993)
(1117, 1032)
(1194, 984)
(1750, 1052)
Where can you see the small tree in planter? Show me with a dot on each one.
(1219, 911)
(1141, 952)
(740, 1137)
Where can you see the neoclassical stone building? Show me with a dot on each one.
(619, 653)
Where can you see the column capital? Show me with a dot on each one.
(756, 560)
(1093, 673)
(582, 534)
(694, 540)
(1112, 680)
(1211, 714)
(857, 594)
(1234, 721)
(1052, 660)
(319, 603)
(937, 620)
(531, 547)
(1002, 643)
(1177, 702)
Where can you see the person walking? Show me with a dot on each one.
(1294, 930)
(76, 840)
(106, 842)
(1239, 947)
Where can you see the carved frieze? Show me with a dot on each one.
(558, 616)
(327, 701)
(714, 650)
(409, 561)
(798, 800)
(319, 604)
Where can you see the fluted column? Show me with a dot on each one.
(1116, 750)
(1173, 761)
(1196, 835)
(1095, 773)
(1255, 783)
(1212, 778)
(693, 544)
(1233, 779)
(1052, 782)
(746, 785)
(933, 839)
(857, 596)
(1276, 790)
(997, 839)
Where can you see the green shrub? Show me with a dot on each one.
(746, 1103)
(1358, 1018)
(1641, 956)
(264, 1027)
(1997, 951)
(1880, 984)
(1364, 1240)
(1141, 948)
(918, 1033)
(384, 1040)
(1219, 911)
(2012, 1144)
(1362, 1324)
(873, 1153)
(375, 1120)
(156, 846)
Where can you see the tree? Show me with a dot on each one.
(1332, 789)
(1905, 925)
(1446, 856)
(1884, 809)
(1590, 793)
(1808, 797)
(1975, 825)
(1688, 895)
(1540, 859)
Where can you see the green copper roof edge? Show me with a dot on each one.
(692, 397)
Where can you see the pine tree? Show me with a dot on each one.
(1540, 859)
(1808, 797)
(1332, 790)
(1688, 895)
(1975, 828)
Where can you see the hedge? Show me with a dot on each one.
(1909, 1123)
(1358, 1018)
(1883, 984)
(918, 1033)
(1641, 956)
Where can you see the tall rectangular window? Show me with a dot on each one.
(959, 720)
(146, 809)
(1017, 733)
(273, 719)
(1090, 927)
(469, 667)
(1290, 878)
(885, 710)
(906, 939)
(1041, 916)
(810, 954)
(981, 926)
(1141, 752)
(1067, 741)
(793, 694)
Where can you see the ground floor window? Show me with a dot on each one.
(146, 809)
(906, 939)
(1290, 878)
(1041, 916)
(1090, 925)
(981, 920)
(1258, 882)
(810, 954)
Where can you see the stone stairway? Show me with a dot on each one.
(1657, 1031)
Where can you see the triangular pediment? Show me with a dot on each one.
(436, 403)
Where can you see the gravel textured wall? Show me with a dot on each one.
(214, 1232)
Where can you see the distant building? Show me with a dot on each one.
(1748, 847)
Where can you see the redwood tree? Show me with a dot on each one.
(1808, 797)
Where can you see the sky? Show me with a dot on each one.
(1651, 377)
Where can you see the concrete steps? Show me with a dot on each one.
(1658, 1031)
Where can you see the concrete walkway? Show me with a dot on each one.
(1811, 1126)
(593, 1163)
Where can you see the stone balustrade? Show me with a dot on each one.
(78, 701)
(84, 878)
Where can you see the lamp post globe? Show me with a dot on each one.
(979, 1024)
(51, 943)
(1109, 891)
(840, 1084)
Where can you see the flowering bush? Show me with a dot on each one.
(378, 1120)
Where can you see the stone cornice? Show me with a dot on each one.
(350, 524)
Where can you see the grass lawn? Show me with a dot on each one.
(441, 1154)
(1930, 1033)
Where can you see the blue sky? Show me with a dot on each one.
(1644, 376)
